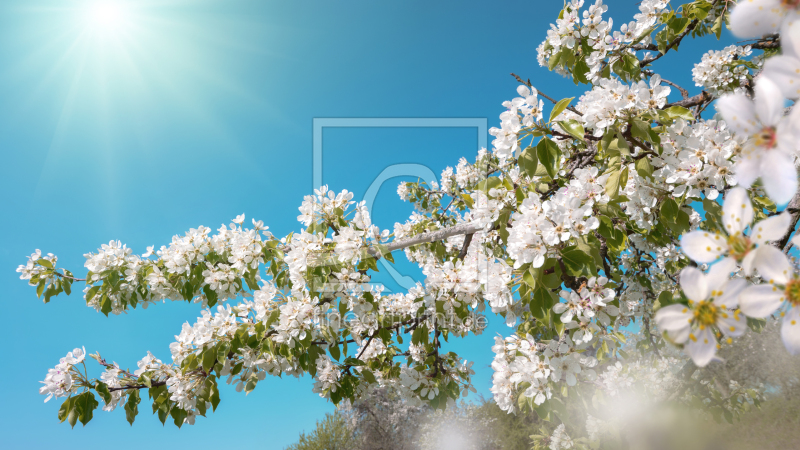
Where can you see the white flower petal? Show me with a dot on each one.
(673, 317)
(719, 274)
(771, 228)
(761, 300)
(784, 71)
(733, 326)
(702, 246)
(702, 347)
(679, 336)
(769, 102)
(773, 265)
(693, 283)
(738, 112)
(790, 331)
(790, 36)
(728, 296)
(779, 176)
(748, 263)
(747, 170)
(755, 18)
(737, 211)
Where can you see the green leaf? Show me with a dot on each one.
(211, 295)
(368, 376)
(354, 362)
(132, 406)
(65, 410)
(644, 168)
(678, 24)
(674, 217)
(616, 179)
(214, 392)
(529, 278)
(553, 61)
(91, 293)
(251, 384)
(334, 350)
(679, 112)
(717, 27)
(617, 144)
(273, 317)
(528, 161)
(548, 154)
(560, 107)
(178, 416)
(579, 72)
(163, 411)
(640, 129)
(209, 358)
(573, 128)
(489, 183)
(576, 261)
(590, 245)
(103, 392)
(105, 304)
(756, 325)
(541, 303)
(468, 200)
(86, 404)
(72, 415)
(664, 298)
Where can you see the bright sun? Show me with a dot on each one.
(106, 14)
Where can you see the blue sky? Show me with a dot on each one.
(192, 112)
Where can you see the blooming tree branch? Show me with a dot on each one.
(621, 208)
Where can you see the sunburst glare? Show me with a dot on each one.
(107, 15)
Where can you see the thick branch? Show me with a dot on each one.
(794, 209)
(431, 236)
(698, 99)
(465, 247)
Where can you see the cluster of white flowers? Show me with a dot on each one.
(567, 215)
(416, 386)
(299, 316)
(328, 376)
(525, 367)
(58, 382)
(560, 439)
(697, 158)
(323, 204)
(587, 310)
(611, 100)
(227, 255)
(470, 281)
(32, 271)
(521, 112)
(111, 378)
(721, 71)
(574, 28)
